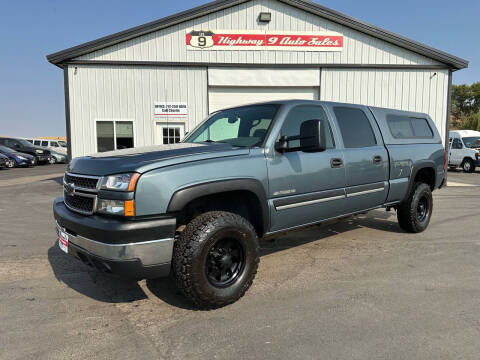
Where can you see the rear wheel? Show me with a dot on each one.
(468, 166)
(215, 259)
(414, 214)
(52, 160)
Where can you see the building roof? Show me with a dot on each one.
(452, 61)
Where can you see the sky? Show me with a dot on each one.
(31, 89)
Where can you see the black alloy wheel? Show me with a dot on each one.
(225, 262)
(422, 209)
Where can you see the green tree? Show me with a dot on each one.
(471, 122)
(465, 100)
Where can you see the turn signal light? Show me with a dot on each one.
(129, 208)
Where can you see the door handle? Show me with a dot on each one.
(336, 163)
(377, 159)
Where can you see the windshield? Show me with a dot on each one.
(62, 143)
(472, 142)
(25, 143)
(5, 149)
(245, 126)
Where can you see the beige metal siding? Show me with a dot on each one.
(413, 90)
(128, 93)
(169, 44)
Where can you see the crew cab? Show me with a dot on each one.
(199, 207)
(464, 150)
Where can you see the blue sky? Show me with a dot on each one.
(31, 89)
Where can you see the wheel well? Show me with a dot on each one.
(241, 202)
(427, 176)
(466, 158)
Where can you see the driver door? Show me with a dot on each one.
(305, 187)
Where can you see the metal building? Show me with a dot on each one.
(152, 83)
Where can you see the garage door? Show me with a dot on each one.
(222, 97)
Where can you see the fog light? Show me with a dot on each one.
(113, 207)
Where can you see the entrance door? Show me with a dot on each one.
(306, 187)
(366, 159)
(222, 97)
(169, 133)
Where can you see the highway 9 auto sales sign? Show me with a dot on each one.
(263, 40)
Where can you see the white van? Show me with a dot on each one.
(464, 148)
(59, 146)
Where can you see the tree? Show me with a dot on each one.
(465, 100)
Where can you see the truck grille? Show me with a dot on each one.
(80, 193)
(79, 203)
(82, 181)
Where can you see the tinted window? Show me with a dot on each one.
(105, 136)
(457, 144)
(300, 114)
(36, 142)
(405, 127)
(44, 143)
(355, 127)
(53, 143)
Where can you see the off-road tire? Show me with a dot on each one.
(190, 255)
(408, 211)
(468, 166)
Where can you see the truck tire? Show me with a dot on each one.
(468, 166)
(414, 214)
(215, 259)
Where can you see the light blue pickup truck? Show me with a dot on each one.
(199, 207)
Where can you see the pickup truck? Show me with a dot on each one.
(199, 207)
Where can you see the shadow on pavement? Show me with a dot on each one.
(112, 289)
(90, 282)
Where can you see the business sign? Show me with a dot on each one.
(263, 40)
(164, 109)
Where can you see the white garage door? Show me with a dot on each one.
(221, 97)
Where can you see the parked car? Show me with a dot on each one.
(464, 150)
(59, 146)
(4, 161)
(199, 207)
(57, 158)
(16, 158)
(23, 146)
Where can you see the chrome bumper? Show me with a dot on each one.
(152, 252)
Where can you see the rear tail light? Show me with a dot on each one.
(444, 159)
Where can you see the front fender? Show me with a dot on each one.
(183, 196)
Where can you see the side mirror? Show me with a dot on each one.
(312, 136)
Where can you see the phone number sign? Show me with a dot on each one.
(268, 40)
(170, 109)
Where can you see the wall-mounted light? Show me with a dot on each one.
(265, 17)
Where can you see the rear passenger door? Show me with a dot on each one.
(366, 158)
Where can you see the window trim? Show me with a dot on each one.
(375, 136)
(114, 132)
(329, 122)
(158, 141)
(411, 126)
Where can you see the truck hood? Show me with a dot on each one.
(144, 159)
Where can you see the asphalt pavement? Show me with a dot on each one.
(358, 289)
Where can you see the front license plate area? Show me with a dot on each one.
(63, 241)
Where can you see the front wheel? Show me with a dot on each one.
(414, 214)
(52, 160)
(468, 166)
(11, 164)
(215, 259)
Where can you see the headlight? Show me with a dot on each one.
(39, 151)
(21, 157)
(116, 207)
(120, 182)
